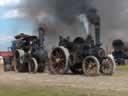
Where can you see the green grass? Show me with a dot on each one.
(56, 91)
(123, 67)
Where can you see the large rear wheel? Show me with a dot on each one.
(59, 60)
(19, 58)
(91, 66)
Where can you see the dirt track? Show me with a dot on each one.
(119, 81)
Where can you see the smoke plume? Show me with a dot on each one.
(60, 17)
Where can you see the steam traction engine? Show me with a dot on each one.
(82, 55)
(120, 51)
(30, 53)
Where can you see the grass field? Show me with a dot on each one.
(56, 91)
(24, 89)
(123, 68)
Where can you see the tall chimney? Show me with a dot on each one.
(95, 20)
(97, 31)
(41, 36)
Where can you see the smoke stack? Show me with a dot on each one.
(94, 19)
(97, 33)
(42, 30)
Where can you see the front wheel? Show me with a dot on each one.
(32, 65)
(91, 66)
(108, 65)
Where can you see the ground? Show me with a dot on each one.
(101, 85)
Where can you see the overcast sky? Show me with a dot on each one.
(21, 15)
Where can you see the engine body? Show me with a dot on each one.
(85, 54)
(80, 48)
(120, 51)
(30, 51)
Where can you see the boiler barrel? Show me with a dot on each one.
(40, 54)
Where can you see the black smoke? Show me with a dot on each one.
(61, 16)
(68, 9)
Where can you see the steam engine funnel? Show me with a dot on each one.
(94, 19)
(41, 36)
(97, 34)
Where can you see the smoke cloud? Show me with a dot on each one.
(114, 22)
(60, 17)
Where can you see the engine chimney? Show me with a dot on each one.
(95, 20)
(97, 31)
(41, 33)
